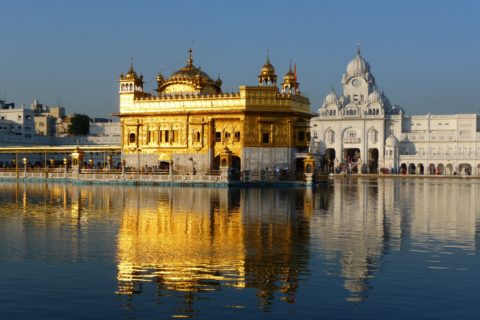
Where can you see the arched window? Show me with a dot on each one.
(132, 138)
(197, 136)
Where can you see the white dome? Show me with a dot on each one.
(391, 141)
(331, 98)
(375, 97)
(358, 66)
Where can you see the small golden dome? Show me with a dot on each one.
(160, 78)
(289, 77)
(267, 69)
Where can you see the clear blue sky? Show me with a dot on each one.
(424, 54)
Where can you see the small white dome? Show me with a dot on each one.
(358, 66)
(375, 97)
(331, 98)
(391, 141)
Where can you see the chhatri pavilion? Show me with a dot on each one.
(190, 125)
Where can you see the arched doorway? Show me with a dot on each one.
(236, 167)
(421, 169)
(449, 169)
(403, 168)
(164, 166)
(478, 170)
(440, 169)
(216, 163)
(299, 169)
(431, 169)
(412, 168)
(329, 160)
(465, 169)
(373, 160)
(352, 155)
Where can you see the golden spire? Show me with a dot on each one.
(190, 58)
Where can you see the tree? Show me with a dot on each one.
(79, 125)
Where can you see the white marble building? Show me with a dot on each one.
(362, 129)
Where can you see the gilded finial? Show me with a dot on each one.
(290, 67)
(358, 48)
(131, 65)
(190, 57)
(268, 56)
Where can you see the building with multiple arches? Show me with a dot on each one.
(361, 131)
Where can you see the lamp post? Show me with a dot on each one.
(24, 167)
(65, 162)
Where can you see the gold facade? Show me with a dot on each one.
(191, 117)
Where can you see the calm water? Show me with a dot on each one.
(371, 249)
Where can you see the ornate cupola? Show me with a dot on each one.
(131, 82)
(188, 80)
(267, 76)
(358, 68)
(290, 84)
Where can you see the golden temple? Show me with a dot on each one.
(190, 123)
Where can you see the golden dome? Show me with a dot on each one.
(190, 72)
(160, 78)
(267, 76)
(131, 74)
(189, 79)
(289, 77)
(267, 68)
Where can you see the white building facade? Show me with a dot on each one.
(360, 131)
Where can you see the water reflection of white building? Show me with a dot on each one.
(369, 218)
(361, 127)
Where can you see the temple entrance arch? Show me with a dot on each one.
(373, 160)
(412, 168)
(329, 160)
(351, 155)
(403, 168)
(431, 169)
(440, 169)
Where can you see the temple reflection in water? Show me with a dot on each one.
(196, 240)
(179, 243)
